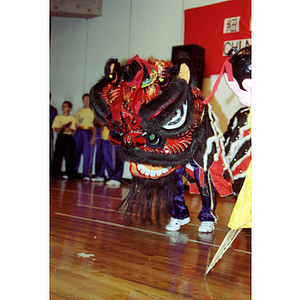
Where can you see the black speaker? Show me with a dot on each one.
(195, 54)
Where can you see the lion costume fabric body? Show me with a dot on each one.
(164, 130)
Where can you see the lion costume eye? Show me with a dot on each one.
(154, 139)
(113, 78)
(163, 81)
(178, 119)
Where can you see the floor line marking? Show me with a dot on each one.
(128, 227)
(100, 208)
(117, 211)
(138, 229)
(243, 251)
(90, 194)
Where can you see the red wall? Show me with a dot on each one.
(205, 27)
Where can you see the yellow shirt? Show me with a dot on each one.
(84, 118)
(61, 120)
(105, 133)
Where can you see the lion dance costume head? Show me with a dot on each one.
(157, 114)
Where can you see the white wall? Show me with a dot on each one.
(80, 47)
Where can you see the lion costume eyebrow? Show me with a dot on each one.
(163, 107)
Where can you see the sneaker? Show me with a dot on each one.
(206, 226)
(97, 179)
(65, 177)
(86, 178)
(175, 224)
(113, 183)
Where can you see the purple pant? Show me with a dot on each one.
(82, 139)
(179, 209)
(106, 159)
(208, 195)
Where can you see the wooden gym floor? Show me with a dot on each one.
(131, 262)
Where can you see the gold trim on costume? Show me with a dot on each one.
(84, 127)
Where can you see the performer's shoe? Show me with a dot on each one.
(206, 226)
(113, 183)
(175, 224)
(86, 178)
(97, 179)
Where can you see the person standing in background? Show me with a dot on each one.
(99, 156)
(64, 125)
(83, 138)
(106, 158)
(53, 114)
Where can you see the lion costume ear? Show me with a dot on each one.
(112, 65)
(184, 72)
(187, 71)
